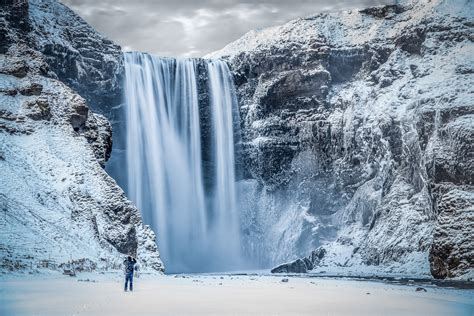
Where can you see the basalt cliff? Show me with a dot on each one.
(358, 133)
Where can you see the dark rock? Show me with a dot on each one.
(79, 115)
(452, 250)
(69, 272)
(294, 84)
(302, 265)
(383, 11)
(32, 89)
(98, 133)
(38, 109)
(344, 64)
(15, 17)
(19, 70)
(317, 255)
(125, 242)
(308, 263)
(297, 266)
(269, 161)
(10, 92)
(412, 40)
(464, 69)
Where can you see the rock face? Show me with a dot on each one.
(452, 250)
(357, 135)
(83, 59)
(302, 265)
(59, 207)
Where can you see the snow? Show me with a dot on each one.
(36, 179)
(384, 222)
(414, 265)
(226, 295)
(334, 26)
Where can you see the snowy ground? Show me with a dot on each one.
(95, 294)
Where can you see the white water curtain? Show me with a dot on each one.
(197, 227)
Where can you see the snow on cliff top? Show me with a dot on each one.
(344, 28)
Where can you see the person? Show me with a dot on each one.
(129, 264)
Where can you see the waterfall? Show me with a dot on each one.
(196, 221)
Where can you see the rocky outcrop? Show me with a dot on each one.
(80, 57)
(297, 266)
(352, 123)
(302, 265)
(357, 133)
(452, 250)
(59, 206)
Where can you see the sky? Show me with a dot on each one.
(193, 28)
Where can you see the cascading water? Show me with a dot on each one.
(196, 221)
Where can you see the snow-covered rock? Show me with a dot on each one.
(302, 265)
(78, 55)
(59, 206)
(452, 250)
(357, 135)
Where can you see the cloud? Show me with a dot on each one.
(190, 28)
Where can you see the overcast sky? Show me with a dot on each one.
(192, 28)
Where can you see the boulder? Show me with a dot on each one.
(297, 266)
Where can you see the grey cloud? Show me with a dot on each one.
(189, 28)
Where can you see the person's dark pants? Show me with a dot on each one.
(129, 278)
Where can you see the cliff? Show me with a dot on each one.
(60, 209)
(357, 138)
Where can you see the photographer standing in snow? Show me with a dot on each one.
(129, 264)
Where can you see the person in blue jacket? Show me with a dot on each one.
(129, 264)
